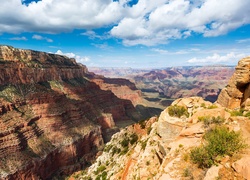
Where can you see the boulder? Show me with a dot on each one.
(236, 92)
(242, 166)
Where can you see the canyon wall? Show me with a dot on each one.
(53, 118)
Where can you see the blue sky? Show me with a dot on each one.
(131, 33)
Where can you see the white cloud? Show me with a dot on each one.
(216, 58)
(161, 51)
(38, 37)
(93, 35)
(243, 40)
(179, 19)
(23, 38)
(78, 58)
(149, 22)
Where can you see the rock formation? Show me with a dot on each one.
(53, 119)
(163, 145)
(237, 93)
(159, 148)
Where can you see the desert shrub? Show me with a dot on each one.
(247, 114)
(142, 124)
(237, 112)
(212, 106)
(222, 141)
(187, 173)
(149, 129)
(107, 148)
(133, 138)
(102, 176)
(124, 151)
(208, 120)
(144, 144)
(125, 142)
(177, 111)
(219, 142)
(115, 150)
(203, 105)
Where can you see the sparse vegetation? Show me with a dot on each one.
(177, 111)
(208, 120)
(149, 129)
(142, 124)
(247, 114)
(133, 138)
(187, 173)
(237, 112)
(212, 106)
(144, 144)
(219, 142)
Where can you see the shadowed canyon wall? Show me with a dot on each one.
(53, 116)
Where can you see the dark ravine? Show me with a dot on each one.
(54, 117)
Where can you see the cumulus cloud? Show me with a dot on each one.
(216, 59)
(78, 58)
(179, 19)
(38, 37)
(148, 22)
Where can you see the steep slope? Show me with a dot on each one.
(53, 118)
(165, 147)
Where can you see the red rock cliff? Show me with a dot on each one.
(52, 118)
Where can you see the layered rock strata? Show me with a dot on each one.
(237, 93)
(52, 117)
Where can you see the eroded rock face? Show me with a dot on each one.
(27, 66)
(52, 118)
(237, 92)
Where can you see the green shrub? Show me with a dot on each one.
(220, 142)
(100, 169)
(149, 129)
(142, 124)
(247, 114)
(133, 138)
(203, 105)
(208, 120)
(212, 106)
(125, 142)
(187, 173)
(144, 144)
(177, 111)
(237, 112)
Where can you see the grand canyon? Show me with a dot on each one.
(59, 120)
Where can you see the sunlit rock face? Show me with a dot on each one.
(53, 116)
(237, 92)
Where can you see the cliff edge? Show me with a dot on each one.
(54, 118)
(237, 93)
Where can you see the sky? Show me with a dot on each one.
(131, 33)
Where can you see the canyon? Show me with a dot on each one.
(59, 120)
(163, 86)
(164, 147)
(55, 115)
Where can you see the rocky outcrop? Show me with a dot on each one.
(53, 119)
(162, 146)
(19, 66)
(237, 93)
